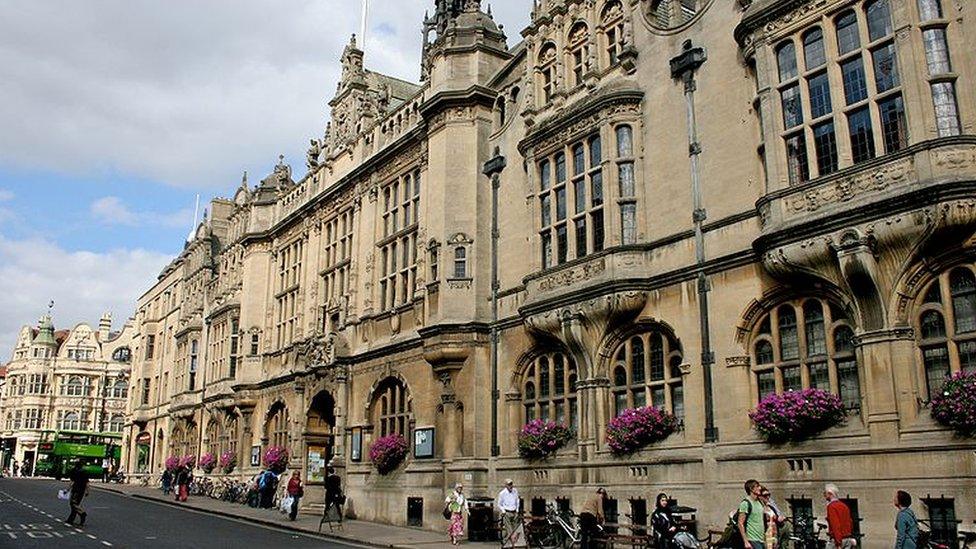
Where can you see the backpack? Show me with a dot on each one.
(731, 538)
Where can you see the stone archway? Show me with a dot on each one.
(318, 436)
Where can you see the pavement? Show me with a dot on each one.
(32, 516)
(354, 532)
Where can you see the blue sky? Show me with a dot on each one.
(115, 114)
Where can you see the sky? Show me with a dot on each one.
(116, 114)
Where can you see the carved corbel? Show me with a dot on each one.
(855, 255)
(582, 327)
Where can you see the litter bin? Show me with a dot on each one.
(481, 520)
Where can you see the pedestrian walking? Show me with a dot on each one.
(183, 479)
(79, 490)
(513, 531)
(840, 525)
(333, 493)
(750, 517)
(591, 517)
(167, 481)
(777, 515)
(16, 469)
(769, 519)
(295, 491)
(457, 505)
(663, 522)
(254, 491)
(266, 487)
(906, 524)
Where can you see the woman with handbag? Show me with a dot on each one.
(456, 505)
(295, 491)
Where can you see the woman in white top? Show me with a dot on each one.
(457, 505)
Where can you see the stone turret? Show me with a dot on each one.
(104, 327)
(468, 49)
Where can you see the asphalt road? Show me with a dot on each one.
(31, 515)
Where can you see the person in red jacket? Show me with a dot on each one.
(296, 490)
(840, 526)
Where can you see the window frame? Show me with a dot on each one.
(769, 330)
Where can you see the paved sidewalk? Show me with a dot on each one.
(355, 531)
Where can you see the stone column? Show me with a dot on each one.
(297, 417)
(881, 353)
(341, 417)
(513, 401)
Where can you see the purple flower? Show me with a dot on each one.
(797, 415)
(386, 453)
(276, 459)
(955, 407)
(228, 461)
(540, 438)
(636, 428)
(207, 462)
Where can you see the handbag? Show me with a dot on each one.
(447, 512)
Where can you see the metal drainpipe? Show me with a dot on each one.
(493, 169)
(683, 67)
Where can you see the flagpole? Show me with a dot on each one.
(362, 25)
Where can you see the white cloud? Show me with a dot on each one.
(187, 93)
(110, 210)
(82, 284)
(6, 196)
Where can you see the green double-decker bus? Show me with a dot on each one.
(58, 451)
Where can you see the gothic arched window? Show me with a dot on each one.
(806, 344)
(391, 408)
(947, 334)
(213, 437)
(276, 428)
(549, 390)
(647, 371)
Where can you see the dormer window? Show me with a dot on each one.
(578, 39)
(612, 20)
(547, 71)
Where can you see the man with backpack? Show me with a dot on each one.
(749, 518)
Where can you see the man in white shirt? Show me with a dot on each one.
(508, 506)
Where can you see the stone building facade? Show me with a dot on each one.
(699, 203)
(75, 379)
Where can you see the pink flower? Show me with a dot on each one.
(276, 459)
(207, 462)
(797, 415)
(636, 428)
(540, 438)
(386, 453)
(955, 407)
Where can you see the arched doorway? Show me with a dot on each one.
(319, 436)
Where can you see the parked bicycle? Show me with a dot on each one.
(807, 534)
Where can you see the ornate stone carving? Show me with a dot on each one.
(737, 361)
(583, 326)
(569, 277)
(854, 186)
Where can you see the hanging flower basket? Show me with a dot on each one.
(955, 407)
(172, 463)
(797, 415)
(207, 462)
(636, 428)
(276, 459)
(228, 461)
(189, 461)
(387, 453)
(540, 438)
